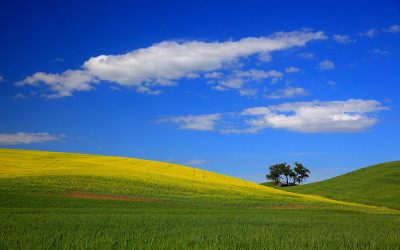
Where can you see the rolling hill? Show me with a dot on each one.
(25, 171)
(377, 185)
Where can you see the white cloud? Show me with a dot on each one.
(192, 122)
(370, 33)
(61, 85)
(163, 63)
(172, 60)
(143, 89)
(318, 117)
(325, 65)
(264, 57)
(343, 39)
(192, 75)
(307, 117)
(234, 83)
(287, 93)
(26, 138)
(2, 79)
(248, 92)
(220, 88)
(307, 55)
(257, 75)
(380, 52)
(214, 74)
(291, 69)
(393, 29)
(239, 80)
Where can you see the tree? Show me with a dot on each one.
(275, 172)
(286, 171)
(293, 175)
(300, 173)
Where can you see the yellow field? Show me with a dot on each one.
(54, 173)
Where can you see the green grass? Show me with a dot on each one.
(377, 185)
(34, 221)
(268, 184)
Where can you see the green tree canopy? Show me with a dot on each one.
(298, 174)
(301, 173)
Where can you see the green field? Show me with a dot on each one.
(33, 221)
(377, 185)
(196, 209)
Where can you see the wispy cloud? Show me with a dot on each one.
(307, 117)
(307, 55)
(162, 64)
(291, 69)
(380, 52)
(393, 29)
(193, 122)
(325, 65)
(369, 33)
(289, 92)
(27, 138)
(343, 39)
(2, 79)
(214, 74)
(57, 60)
(238, 80)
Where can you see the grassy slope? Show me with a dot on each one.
(49, 172)
(377, 185)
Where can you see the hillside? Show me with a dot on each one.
(65, 173)
(377, 185)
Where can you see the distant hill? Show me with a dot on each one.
(377, 185)
(90, 176)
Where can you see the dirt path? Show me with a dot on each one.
(105, 197)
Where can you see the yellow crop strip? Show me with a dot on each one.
(50, 172)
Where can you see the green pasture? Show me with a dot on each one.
(377, 185)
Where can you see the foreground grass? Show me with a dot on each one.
(377, 185)
(49, 172)
(33, 221)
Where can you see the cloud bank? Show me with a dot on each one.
(164, 63)
(307, 117)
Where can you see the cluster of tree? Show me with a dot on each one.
(278, 171)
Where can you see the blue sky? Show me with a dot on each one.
(226, 86)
